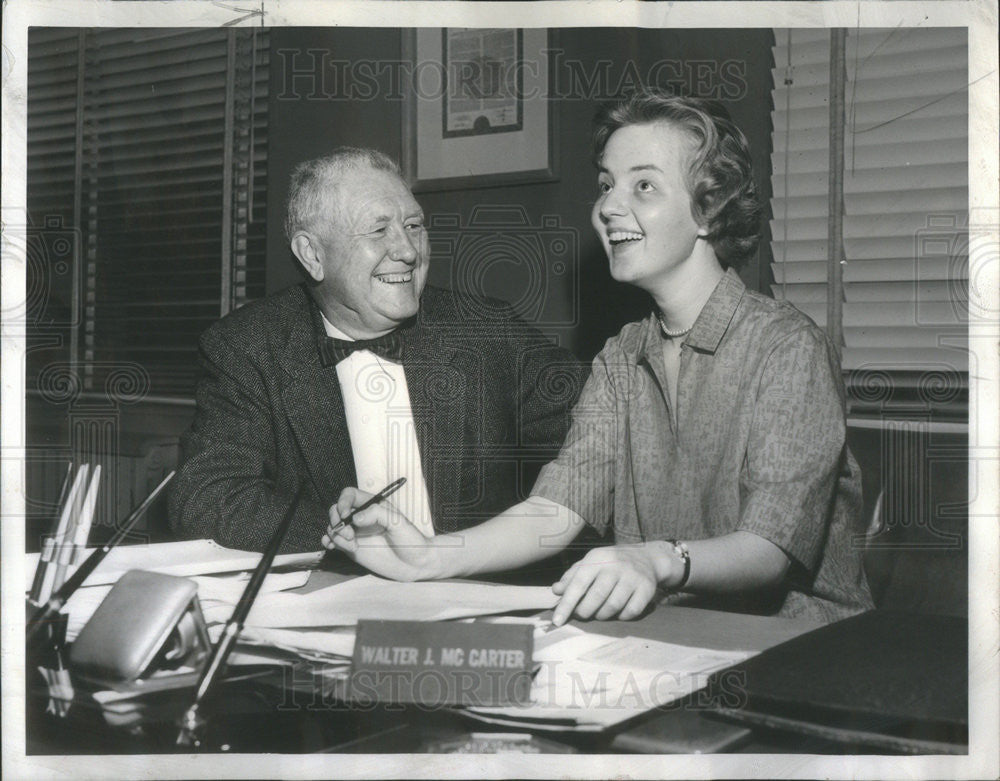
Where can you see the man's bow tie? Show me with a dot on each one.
(389, 346)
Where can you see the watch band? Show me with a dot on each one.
(681, 549)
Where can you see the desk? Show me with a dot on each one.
(268, 714)
(672, 624)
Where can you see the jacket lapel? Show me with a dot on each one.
(315, 407)
(444, 382)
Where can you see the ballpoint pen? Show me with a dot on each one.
(386, 492)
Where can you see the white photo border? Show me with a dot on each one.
(979, 16)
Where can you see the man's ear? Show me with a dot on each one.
(306, 249)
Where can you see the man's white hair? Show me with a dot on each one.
(312, 181)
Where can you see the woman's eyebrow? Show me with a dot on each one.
(642, 167)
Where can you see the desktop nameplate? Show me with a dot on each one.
(441, 663)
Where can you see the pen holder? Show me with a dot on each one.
(48, 657)
(148, 623)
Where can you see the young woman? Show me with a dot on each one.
(710, 434)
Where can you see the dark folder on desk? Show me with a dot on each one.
(882, 680)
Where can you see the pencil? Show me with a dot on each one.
(48, 547)
(62, 535)
(67, 547)
(82, 532)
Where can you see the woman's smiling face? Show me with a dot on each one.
(643, 213)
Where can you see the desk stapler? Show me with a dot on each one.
(149, 624)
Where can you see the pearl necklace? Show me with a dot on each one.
(672, 334)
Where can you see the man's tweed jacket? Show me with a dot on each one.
(490, 397)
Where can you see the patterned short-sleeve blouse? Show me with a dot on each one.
(758, 445)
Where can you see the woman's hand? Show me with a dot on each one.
(380, 538)
(620, 581)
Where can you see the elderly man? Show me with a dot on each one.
(360, 376)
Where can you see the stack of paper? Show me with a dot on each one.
(190, 558)
(375, 598)
(588, 682)
(186, 558)
(319, 626)
(282, 626)
(219, 594)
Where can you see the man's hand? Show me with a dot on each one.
(617, 581)
(381, 538)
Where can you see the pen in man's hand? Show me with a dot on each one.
(386, 492)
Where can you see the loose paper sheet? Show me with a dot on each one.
(371, 597)
(588, 682)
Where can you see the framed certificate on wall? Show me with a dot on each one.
(476, 111)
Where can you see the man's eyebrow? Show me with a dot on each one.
(365, 224)
(373, 220)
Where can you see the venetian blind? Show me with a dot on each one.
(905, 203)
(150, 147)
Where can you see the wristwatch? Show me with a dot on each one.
(681, 549)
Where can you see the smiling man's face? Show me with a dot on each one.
(372, 247)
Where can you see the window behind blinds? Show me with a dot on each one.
(149, 147)
(53, 243)
(905, 312)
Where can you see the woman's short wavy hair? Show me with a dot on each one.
(719, 177)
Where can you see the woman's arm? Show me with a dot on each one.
(621, 580)
(385, 542)
(618, 580)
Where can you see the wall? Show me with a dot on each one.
(309, 115)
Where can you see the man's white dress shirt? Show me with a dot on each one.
(383, 435)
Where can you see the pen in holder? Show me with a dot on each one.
(192, 723)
